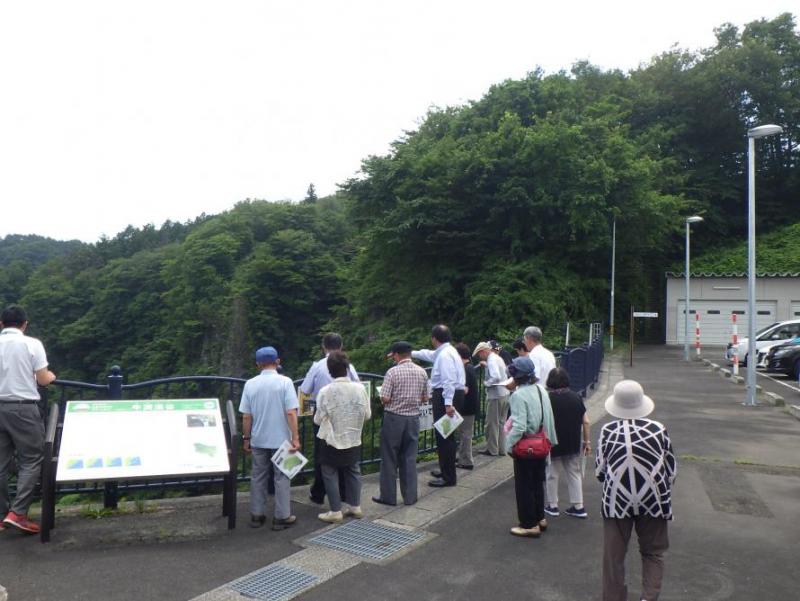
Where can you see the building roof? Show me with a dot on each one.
(742, 274)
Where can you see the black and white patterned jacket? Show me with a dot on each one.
(635, 463)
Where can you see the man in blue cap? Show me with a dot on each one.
(269, 409)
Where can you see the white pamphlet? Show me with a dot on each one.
(446, 424)
(286, 461)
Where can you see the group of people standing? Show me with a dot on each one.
(528, 394)
(634, 460)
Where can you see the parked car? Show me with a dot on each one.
(776, 334)
(785, 359)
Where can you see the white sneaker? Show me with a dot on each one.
(332, 517)
(354, 511)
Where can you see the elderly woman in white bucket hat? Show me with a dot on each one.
(636, 465)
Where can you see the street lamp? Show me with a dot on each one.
(613, 269)
(752, 353)
(689, 221)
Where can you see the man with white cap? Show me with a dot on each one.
(494, 381)
(636, 465)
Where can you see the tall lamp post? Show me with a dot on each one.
(689, 222)
(752, 353)
(613, 270)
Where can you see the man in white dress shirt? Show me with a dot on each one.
(448, 381)
(543, 360)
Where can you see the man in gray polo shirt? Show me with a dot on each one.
(23, 365)
(269, 417)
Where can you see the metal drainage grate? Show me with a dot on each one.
(276, 582)
(367, 539)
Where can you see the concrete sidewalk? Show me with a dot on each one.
(735, 535)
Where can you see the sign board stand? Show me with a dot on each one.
(635, 314)
(203, 447)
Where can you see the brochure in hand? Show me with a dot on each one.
(286, 461)
(446, 425)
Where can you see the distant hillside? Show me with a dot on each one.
(21, 255)
(776, 251)
(34, 250)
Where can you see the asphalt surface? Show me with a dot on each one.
(736, 533)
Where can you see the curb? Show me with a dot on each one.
(770, 398)
(774, 399)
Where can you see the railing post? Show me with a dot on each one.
(110, 492)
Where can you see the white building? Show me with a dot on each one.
(716, 296)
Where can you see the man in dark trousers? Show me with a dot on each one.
(468, 411)
(448, 382)
(23, 366)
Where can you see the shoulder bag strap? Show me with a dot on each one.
(541, 404)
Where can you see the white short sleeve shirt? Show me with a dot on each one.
(20, 358)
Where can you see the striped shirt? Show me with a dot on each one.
(405, 386)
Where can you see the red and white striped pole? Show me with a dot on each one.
(697, 333)
(735, 342)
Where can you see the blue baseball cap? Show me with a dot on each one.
(521, 367)
(266, 354)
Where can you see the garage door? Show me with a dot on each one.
(715, 319)
(795, 310)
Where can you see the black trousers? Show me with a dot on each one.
(529, 477)
(317, 491)
(446, 447)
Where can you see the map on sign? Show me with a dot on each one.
(118, 440)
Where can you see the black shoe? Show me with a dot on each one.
(316, 501)
(382, 502)
(436, 473)
(440, 483)
(284, 523)
(256, 521)
(464, 467)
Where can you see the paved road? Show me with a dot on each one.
(735, 537)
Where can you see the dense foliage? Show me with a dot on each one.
(776, 252)
(489, 217)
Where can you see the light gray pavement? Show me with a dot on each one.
(735, 537)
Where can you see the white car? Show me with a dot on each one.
(766, 338)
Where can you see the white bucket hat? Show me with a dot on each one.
(629, 401)
(482, 346)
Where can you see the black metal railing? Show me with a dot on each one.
(582, 363)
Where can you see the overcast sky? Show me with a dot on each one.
(115, 113)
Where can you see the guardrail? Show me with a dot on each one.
(224, 388)
(583, 365)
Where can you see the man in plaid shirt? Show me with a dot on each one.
(404, 387)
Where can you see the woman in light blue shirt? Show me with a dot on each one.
(530, 410)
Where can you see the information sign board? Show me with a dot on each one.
(120, 440)
(644, 314)
(425, 417)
